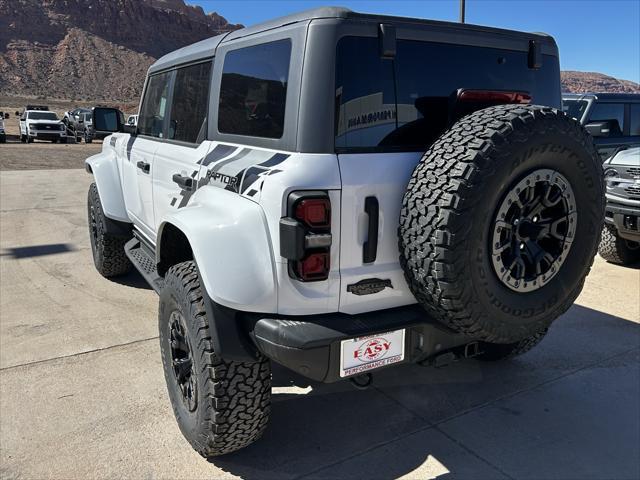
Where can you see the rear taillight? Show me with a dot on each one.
(305, 235)
(314, 212)
(493, 96)
(315, 266)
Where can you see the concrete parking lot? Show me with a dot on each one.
(82, 393)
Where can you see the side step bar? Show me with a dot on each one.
(143, 258)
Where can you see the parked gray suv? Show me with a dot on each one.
(612, 119)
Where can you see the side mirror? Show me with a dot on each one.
(107, 119)
(598, 129)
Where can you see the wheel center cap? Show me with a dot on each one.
(527, 230)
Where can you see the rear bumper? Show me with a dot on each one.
(625, 219)
(311, 346)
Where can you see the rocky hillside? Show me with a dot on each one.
(93, 49)
(577, 82)
(101, 49)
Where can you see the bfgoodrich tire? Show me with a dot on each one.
(617, 250)
(220, 406)
(501, 220)
(108, 250)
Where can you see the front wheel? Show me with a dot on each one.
(87, 137)
(108, 250)
(220, 406)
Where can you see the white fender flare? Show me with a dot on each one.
(231, 245)
(104, 167)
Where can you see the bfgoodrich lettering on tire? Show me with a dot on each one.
(501, 221)
(220, 406)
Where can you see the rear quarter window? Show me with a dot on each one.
(253, 90)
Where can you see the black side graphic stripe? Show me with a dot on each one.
(275, 160)
(130, 142)
(218, 152)
(242, 153)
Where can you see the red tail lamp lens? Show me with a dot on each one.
(314, 267)
(315, 212)
(494, 96)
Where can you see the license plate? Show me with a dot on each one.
(359, 355)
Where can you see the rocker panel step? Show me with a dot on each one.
(144, 263)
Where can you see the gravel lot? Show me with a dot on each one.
(45, 155)
(82, 393)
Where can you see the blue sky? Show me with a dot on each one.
(593, 35)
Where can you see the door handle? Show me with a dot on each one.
(370, 247)
(184, 182)
(144, 166)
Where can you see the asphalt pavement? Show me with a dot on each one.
(82, 393)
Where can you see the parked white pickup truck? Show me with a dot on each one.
(38, 123)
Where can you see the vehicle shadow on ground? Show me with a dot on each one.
(335, 431)
(37, 250)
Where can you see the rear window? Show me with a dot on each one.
(405, 103)
(253, 90)
(188, 122)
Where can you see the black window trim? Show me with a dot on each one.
(165, 128)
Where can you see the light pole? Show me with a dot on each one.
(462, 11)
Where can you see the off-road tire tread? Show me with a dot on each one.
(238, 393)
(614, 249)
(439, 200)
(113, 261)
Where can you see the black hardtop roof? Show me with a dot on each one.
(207, 47)
(605, 96)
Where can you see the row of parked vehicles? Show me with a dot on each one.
(37, 122)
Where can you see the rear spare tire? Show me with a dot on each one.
(501, 220)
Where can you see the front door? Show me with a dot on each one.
(141, 150)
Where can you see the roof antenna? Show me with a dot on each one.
(462, 11)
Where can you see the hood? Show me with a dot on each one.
(630, 157)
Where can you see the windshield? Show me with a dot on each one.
(42, 116)
(574, 108)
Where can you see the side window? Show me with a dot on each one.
(253, 90)
(609, 112)
(635, 119)
(365, 101)
(188, 122)
(154, 105)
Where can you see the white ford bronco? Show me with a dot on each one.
(338, 193)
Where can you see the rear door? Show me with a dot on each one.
(373, 181)
(176, 162)
(389, 111)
